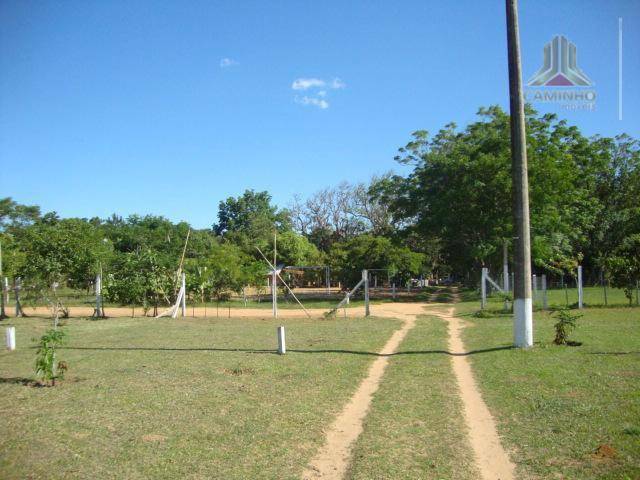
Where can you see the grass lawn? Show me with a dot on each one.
(555, 406)
(415, 428)
(183, 398)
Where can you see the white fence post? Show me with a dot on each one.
(505, 268)
(11, 338)
(99, 313)
(274, 292)
(328, 279)
(393, 290)
(544, 292)
(365, 277)
(483, 287)
(282, 347)
(580, 292)
(183, 301)
(17, 286)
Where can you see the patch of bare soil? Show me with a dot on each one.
(604, 452)
(381, 310)
(152, 437)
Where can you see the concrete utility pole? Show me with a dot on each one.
(522, 307)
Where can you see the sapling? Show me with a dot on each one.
(507, 302)
(565, 324)
(47, 367)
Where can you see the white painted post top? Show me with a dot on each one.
(282, 347)
(11, 337)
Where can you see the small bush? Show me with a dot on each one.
(565, 324)
(46, 366)
(483, 314)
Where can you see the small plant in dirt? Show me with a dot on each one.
(48, 368)
(565, 324)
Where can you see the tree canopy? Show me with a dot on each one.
(583, 192)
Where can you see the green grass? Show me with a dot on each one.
(183, 398)
(556, 405)
(209, 398)
(415, 428)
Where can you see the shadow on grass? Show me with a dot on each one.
(27, 382)
(293, 350)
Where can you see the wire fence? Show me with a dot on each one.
(563, 293)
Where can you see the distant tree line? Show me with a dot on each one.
(450, 215)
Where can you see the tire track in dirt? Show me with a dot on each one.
(491, 458)
(332, 460)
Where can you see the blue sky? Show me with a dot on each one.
(131, 107)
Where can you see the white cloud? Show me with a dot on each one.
(321, 103)
(307, 83)
(336, 83)
(319, 91)
(228, 62)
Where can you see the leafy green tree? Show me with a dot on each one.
(140, 277)
(460, 191)
(616, 190)
(349, 258)
(59, 252)
(228, 270)
(250, 220)
(13, 214)
(293, 249)
(624, 266)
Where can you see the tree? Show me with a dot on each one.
(616, 190)
(624, 266)
(250, 220)
(366, 251)
(342, 212)
(59, 252)
(139, 277)
(293, 249)
(460, 190)
(228, 269)
(16, 215)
